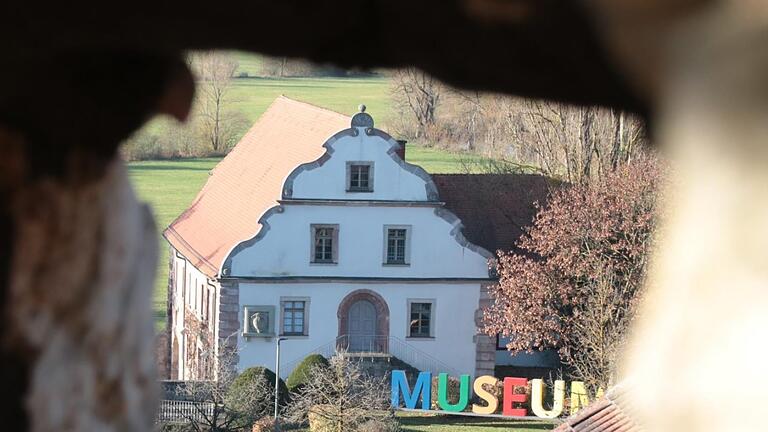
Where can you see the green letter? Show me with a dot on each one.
(442, 393)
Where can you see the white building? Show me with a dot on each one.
(315, 229)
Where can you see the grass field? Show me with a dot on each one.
(445, 423)
(247, 63)
(252, 95)
(170, 186)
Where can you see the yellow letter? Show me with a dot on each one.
(537, 397)
(579, 397)
(484, 394)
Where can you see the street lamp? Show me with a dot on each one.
(277, 381)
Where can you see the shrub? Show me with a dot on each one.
(242, 397)
(172, 427)
(264, 424)
(384, 425)
(340, 397)
(300, 374)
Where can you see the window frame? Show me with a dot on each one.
(385, 253)
(334, 244)
(348, 185)
(305, 327)
(432, 318)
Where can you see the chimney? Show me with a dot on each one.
(401, 151)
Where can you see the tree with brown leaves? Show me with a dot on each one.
(577, 282)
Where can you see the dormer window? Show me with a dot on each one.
(359, 176)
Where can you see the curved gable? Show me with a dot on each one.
(393, 178)
(317, 193)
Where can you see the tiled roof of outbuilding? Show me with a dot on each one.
(494, 208)
(608, 414)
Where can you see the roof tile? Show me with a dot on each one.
(249, 181)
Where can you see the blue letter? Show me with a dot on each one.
(423, 387)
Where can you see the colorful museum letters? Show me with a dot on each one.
(483, 388)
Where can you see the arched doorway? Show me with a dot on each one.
(361, 326)
(363, 323)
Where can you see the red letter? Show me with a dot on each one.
(510, 397)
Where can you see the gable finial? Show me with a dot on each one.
(362, 118)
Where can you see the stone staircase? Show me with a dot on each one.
(383, 354)
(383, 365)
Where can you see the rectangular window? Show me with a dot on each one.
(204, 311)
(421, 313)
(294, 318)
(325, 244)
(359, 176)
(396, 245)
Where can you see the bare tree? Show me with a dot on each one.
(282, 67)
(573, 143)
(567, 142)
(215, 71)
(217, 408)
(341, 397)
(416, 95)
(600, 329)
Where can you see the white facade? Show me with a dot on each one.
(452, 344)
(285, 250)
(195, 312)
(360, 250)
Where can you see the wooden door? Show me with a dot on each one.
(362, 327)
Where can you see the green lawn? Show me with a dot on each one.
(170, 186)
(446, 423)
(411, 422)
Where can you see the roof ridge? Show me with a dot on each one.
(309, 104)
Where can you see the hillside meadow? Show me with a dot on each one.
(251, 93)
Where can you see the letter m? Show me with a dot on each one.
(422, 388)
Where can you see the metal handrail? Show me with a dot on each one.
(174, 411)
(378, 346)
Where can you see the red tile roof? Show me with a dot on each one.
(250, 180)
(494, 208)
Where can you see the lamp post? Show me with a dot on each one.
(277, 381)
